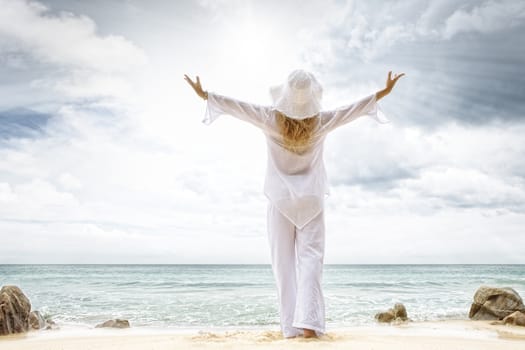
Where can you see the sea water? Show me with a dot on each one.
(244, 296)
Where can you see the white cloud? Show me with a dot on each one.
(370, 31)
(62, 57)
(382, 168)
(453, 187)
(69, 182)
(490, 16)
(37, 199)
(447, 236)
(65, 39)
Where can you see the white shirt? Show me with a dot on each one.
(295, 183)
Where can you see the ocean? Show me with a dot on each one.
(244, 296)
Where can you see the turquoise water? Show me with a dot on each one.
(197, 296)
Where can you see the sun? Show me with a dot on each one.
(258, 47)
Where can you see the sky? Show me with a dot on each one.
(104, 157)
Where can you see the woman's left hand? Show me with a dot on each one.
(390, 82)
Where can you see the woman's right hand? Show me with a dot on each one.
(197, 87)
(390, 82)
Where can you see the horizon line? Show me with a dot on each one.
(255, 264)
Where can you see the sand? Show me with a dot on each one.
(450, 335)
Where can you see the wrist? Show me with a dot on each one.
(205, 95)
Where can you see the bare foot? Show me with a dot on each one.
(309, 333)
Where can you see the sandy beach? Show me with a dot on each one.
(460, 334)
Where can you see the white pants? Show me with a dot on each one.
(297, 263)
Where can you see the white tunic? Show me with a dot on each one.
(295, 183)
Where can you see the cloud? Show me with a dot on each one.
(65, 39)
(454, 166)
(467, 188)
(87, 172)
(491, 16)
(370, 30)
(69, 182)
(22, 122)
(464, 236)
(36, 200)
(53, 57)
(82, 84)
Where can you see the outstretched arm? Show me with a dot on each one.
(389, 85)
(366, 106)
(218, 105)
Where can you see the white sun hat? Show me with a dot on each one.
(299, 97)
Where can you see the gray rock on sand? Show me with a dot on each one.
(14, 310)
(517, 318)
(36, 320)
(117, 323)
(50, 324)
(398, 313)
(491, 303)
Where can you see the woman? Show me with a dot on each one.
(295, 184)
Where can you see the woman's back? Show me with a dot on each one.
(296, 182)
(295, 178)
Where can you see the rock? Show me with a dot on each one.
(114, 323)
(491, 303)
(50, 324)
(387, 316)
(398, 313)
(36, 320)
(14, 310)
(516, 318)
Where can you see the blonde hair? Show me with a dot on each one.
(297, 134)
